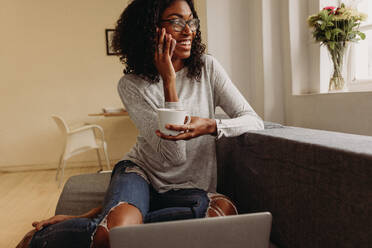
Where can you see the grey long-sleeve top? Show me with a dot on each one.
(184, 164)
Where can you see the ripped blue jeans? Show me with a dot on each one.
(126, 186)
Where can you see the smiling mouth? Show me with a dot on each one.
(185, 44)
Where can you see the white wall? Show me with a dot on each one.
(228, 42)
(220, 33)
(272, 61)
(242, 36)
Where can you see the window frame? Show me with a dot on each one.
(354, 83)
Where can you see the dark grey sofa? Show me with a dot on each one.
(316, 184)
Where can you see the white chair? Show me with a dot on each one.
(80, 140)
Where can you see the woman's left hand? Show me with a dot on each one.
(197, 127)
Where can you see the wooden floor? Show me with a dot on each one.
(26, 197)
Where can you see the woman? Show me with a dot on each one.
(163, 177)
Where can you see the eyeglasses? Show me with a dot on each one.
(179, 24)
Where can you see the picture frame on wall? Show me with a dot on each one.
(109, 34)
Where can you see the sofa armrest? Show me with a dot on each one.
(81, 193)
(316, 184)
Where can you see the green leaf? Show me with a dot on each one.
(324, 15)
(362, 35)
(337, 31)
(332, 45)
(330, 24)
(328, 34)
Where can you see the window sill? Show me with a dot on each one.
(363, 86)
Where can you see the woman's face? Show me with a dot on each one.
(178, 12)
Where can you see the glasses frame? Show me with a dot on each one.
(172, 21)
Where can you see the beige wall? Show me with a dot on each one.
(201, 8)
(53, 61)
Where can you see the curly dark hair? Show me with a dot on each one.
(135, 34)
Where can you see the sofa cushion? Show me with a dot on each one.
(81, 193)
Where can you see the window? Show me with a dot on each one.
(359, 63)
(311, 64)
(360, 69)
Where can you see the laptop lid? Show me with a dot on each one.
(245, 230)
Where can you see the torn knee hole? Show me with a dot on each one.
(112, 219)
(103, 223)
(123, 214)
(102, 229)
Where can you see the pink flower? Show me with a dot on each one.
(331, 9)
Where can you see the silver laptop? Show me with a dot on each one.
(245, 230)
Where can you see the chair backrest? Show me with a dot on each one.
(61, 124)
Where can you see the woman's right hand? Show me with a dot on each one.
(59, 218)
(52, 220)
(163, 56)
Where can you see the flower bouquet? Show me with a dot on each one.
(335, 28)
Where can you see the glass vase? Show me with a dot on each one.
(338, 53)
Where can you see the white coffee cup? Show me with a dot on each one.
(172, 116)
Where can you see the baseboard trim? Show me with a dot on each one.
(53, 166)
